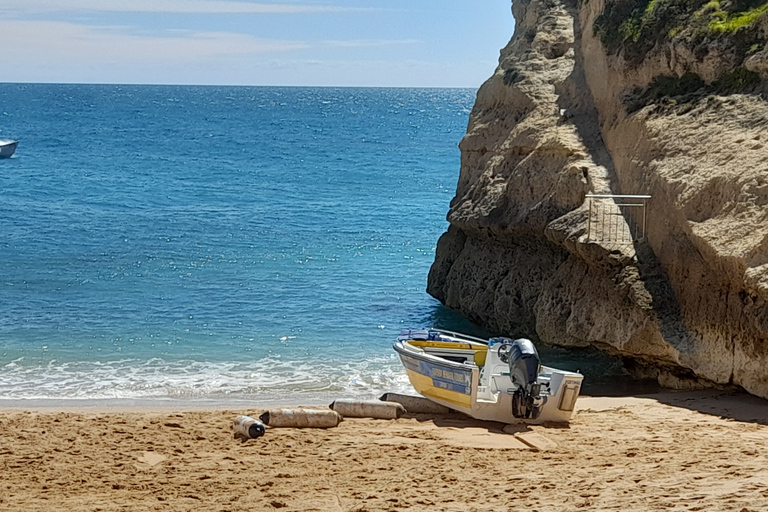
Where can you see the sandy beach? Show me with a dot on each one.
(679, 451)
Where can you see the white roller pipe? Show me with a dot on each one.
(368, 409)
(246, 427)
(301, 418)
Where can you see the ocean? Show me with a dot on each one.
(210, 243)
(217, 244)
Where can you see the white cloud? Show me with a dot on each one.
(166, 6)
(358, 43)
(57, 43)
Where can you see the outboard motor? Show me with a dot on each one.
(524, 366)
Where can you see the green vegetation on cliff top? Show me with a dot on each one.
(634, 27)
(723, 21)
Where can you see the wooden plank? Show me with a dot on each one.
(533, 440)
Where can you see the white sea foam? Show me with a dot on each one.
(269, 379)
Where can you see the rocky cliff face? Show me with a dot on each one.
(570, 112)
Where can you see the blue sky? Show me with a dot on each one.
(401, 43)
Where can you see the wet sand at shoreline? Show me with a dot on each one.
(673, 451)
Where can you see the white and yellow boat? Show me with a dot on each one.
(496, 380)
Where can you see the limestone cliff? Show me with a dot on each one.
(674, 112)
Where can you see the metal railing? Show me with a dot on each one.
(617, 219)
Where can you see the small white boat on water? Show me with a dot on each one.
(8, 148)
(496, 380)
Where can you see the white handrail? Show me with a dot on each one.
(618, 196)
(606, 218)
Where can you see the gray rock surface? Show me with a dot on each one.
(688, 302)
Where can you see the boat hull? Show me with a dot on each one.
(445, 383)
(8, 148)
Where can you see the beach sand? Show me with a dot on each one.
(678, 451)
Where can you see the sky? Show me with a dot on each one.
(385, 43)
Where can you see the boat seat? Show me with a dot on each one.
(458, 355)
(452, 349)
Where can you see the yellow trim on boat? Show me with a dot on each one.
(446, 344)
(480, 351)
(423, 385)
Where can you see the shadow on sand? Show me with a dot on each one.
(730, 405)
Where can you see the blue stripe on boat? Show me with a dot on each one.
(443, 376)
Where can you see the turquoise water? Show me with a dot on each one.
(210, 242)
